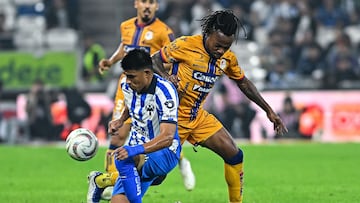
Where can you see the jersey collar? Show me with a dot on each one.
(152, 86)
(206, 49)
(146, 24)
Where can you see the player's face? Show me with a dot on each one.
(217, 43)
(146, 10)
(138, 80)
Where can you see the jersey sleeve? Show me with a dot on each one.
(119, 102)
(168, 36)
(234, 71)
(167, 103)
(174, 51)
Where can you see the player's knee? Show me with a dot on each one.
(238, 158)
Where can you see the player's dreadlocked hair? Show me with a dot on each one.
(223, 20)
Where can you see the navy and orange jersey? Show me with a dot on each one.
(150, 37)
(197, 71)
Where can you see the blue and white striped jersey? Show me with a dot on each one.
(149, 109)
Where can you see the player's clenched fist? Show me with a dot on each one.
(114, 125)
(104, 65)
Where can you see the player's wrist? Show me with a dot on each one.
(135, 150)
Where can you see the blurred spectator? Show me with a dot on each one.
(61, 14)
(341, 46)
(260, 12)
(342, 60)
(200, 9)
(330, 15)
(38, 109)
(239, 11)
(306, 23)
(93, 53)
(78, 109)
(310, 63)
(280, 76)
(346, 70)
(290, 116)
(6, 36)
(177, 21)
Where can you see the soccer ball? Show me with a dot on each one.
(82, 144)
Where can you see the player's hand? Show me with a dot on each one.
(114, 125)
(104, 65)
(173, 79)
(279, 126)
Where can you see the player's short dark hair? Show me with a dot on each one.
(223, 20)
(137, 59)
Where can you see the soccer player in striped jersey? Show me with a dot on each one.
(146, 32)
(152, 103)
(198, 62)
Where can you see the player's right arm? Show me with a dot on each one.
(105, 64)
(115, 124)
(159, 68)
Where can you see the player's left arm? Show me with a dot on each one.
(249, 89)
(236, 73)
(163, 140)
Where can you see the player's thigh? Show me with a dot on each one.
(210, 133)
(121, 135)
(159, 163)
(222, 143)
(200, 129)
(119, 198)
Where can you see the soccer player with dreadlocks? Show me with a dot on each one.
(198, 62)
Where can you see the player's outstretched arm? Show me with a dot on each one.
(249, 89)
(105, 64)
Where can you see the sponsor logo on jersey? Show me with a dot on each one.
(199, 88)
(140, 130)
(169, 104)
(205, 77)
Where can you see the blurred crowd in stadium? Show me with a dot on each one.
(285, 44)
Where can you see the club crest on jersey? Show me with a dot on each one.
(150, 109)
(170, 104)
(149, 35)
(222, 64)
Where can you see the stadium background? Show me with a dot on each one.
(294, 49)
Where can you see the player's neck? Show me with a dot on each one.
(150, 87)
(139, 22)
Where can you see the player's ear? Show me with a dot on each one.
(135, 4)
(147, 71)
(157, 5)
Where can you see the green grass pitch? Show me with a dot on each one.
(274, 173)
